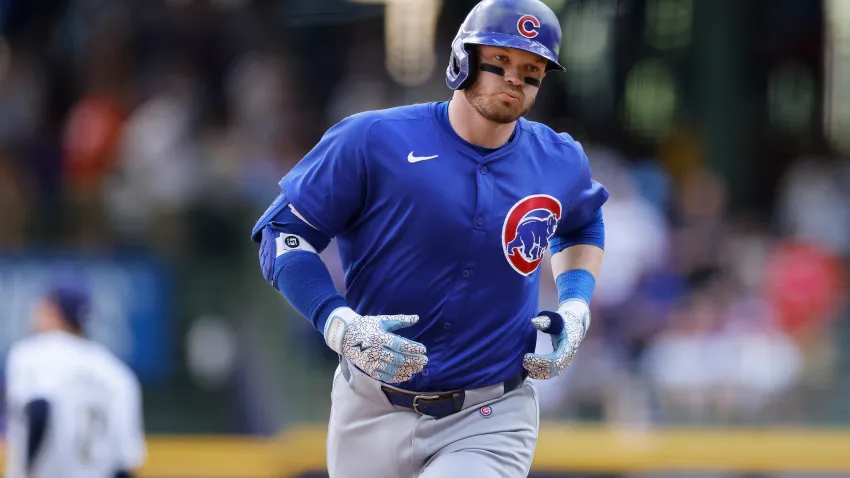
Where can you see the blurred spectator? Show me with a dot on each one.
(14, 202)
(159, 175)
(636, 231)
(22, 94)
(718, 363)
(91, 136)
(812, 203)
(806, 286)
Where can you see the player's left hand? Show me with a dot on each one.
(567, 327)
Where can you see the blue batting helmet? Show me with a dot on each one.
(528, 25)
(69, 292)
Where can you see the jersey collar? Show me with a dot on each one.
(439, 111)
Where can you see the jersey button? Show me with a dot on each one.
(466, 273)
(447, 326)
(484, 170)
(480, 220)
(426, 372)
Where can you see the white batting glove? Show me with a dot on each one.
(567, 327)
(367, 342)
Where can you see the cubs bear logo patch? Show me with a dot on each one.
(527, 229)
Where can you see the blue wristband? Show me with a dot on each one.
(575, 284)
(302, 278)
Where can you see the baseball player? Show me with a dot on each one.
(74, 409)
(442, 213)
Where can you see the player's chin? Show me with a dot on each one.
(504, 112)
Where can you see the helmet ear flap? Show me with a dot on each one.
(454, 65)
(458, 67)
(472, 66)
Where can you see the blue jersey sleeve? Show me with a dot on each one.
(586, 198)
(327, 187)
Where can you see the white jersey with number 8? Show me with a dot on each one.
(95, 419)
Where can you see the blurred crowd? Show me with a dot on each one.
(164, 126)
(703, 315)
(121, 117)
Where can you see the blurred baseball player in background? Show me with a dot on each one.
(442, 213)
(74, 408)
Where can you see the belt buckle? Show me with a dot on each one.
(422, 397)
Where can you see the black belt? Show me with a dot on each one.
(436, 405)
(439, 405)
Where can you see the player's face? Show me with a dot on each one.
(503, 99)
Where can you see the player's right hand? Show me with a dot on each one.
(367, 341)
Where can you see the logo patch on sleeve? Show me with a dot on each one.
(290, 242)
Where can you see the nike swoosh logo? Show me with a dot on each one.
(415, 159)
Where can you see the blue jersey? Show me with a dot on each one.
(428, 224)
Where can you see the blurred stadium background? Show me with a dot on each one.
(140, 140)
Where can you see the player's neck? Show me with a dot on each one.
(475, 129)
(47, 326)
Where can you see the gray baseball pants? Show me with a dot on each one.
(370, 437)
